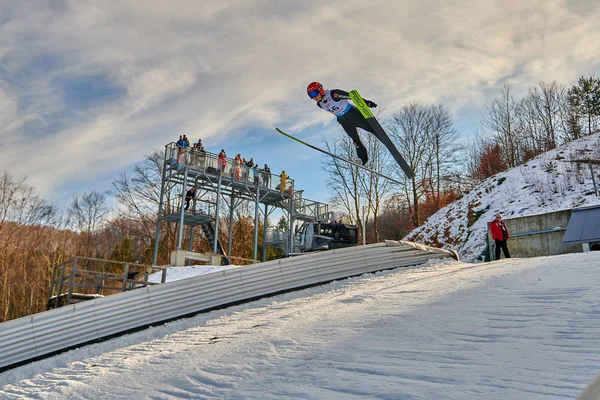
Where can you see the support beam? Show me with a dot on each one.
(230, 243)
(265, 228)
(217, 212)
(256, 204)
(181, 210)
(160, 210)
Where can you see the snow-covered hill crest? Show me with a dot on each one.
(552, 181)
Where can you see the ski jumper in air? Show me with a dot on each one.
(336, 102)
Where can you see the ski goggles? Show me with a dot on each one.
(313, 94)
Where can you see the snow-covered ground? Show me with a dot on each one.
(511, 329)
(179, 273)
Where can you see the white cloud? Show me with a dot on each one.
(213, 69)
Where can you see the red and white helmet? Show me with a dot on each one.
(314, 89)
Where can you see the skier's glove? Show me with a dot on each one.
(371, 104)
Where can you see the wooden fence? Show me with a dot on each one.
(84, 278)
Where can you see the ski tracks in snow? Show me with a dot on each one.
(508, 329)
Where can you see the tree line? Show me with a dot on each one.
(36, 235)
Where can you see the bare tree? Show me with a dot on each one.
(532, 139)
(354, 187)
(546, 105)
(344, 179)
(20, 207)
(139, 195)
(409, 128)
(502, 119)
(23, 216)
(87, 211)
(376, 188)
(426, 137)
(445, 149)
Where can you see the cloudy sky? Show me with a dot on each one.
(87, 87)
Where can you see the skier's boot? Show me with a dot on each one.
(361, 151)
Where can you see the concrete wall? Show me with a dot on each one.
(529, 240)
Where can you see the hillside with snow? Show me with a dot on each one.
(552, 181)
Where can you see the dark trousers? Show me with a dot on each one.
(501, 244)
(351, 120)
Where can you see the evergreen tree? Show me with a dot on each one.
(282, 225)
(584, 99)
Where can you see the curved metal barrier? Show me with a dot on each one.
(41, 335)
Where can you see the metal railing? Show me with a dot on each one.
(178, 157)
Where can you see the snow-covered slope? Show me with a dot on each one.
(518, 329)
(547, 183)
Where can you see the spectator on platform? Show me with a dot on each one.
(222, 161)
(256, 174)
(500, 236)
(180, 152)
(250, 163)
(198, 144)
(200, 156)
(186, 140)
(189, 196)
(237, 167)
(266, 175)
(283, 181)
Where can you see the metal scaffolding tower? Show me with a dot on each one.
(219, 191)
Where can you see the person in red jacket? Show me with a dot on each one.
(500, 235)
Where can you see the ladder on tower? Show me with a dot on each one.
(209, 232)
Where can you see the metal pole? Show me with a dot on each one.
(52, 282)
(125, 277)
(290, 226)
(265, 227)
(72, 279)
(181, 211)
(191, 244)
(160, 205)
(218, 206)
(61, 283)
(230, 243)
(256, 203)
(192, 227)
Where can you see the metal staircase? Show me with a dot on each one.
(209, 232)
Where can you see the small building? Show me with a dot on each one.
(537, 235)
(584, 228)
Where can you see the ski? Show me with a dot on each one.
(338, 157)
(380, 133)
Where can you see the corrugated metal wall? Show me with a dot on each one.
(42, 334)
